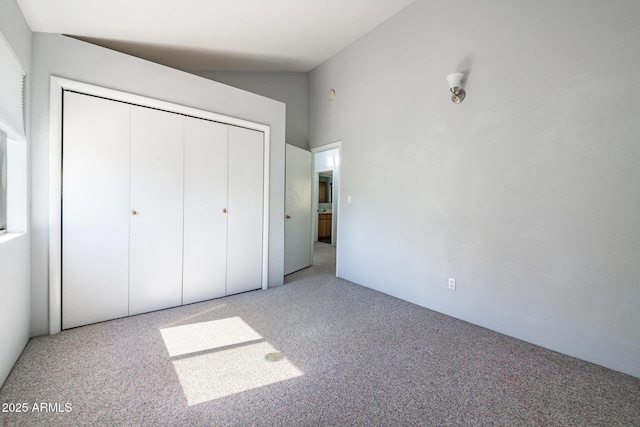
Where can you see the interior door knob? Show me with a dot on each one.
(224, 211)
(288, 216)
(134, 213)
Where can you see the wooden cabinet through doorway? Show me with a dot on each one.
(324, 226)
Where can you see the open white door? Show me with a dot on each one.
(298, 207)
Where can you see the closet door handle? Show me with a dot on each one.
(134, 213)
(224, 211)
(288, 216)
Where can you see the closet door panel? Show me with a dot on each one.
(155, 274)
(245, 201)
(95, 210)
(205, 205)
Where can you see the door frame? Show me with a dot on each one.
(336, 197)
(57, 86)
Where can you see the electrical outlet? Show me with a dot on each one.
(452, 284)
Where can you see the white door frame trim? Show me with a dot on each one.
(57, 86)
(327, 147)
(314, 150)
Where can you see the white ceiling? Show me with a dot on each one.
(231, 35)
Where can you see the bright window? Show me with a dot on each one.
(13, 151)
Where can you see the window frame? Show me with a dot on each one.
(3, 182)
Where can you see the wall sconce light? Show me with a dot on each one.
(454, 86)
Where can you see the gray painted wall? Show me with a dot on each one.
(290, 88)
(14, 254)
(69, 58)
(526, 193)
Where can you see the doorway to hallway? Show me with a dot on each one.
(326, 196)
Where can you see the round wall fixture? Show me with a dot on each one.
(332, 94)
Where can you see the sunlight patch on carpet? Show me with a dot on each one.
(223, 373)
(211, 335)
(231, 357)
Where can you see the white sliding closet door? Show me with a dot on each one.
(156, 192)
(95, 210)
(205, 207)
(245, 187)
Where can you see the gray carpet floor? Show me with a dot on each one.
(339, 354)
